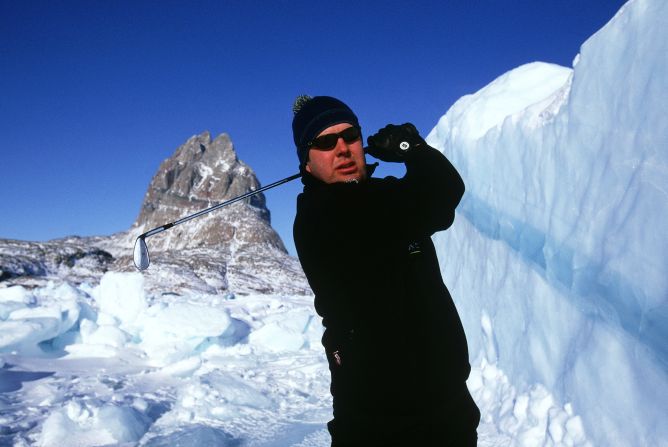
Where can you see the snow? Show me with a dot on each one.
(114, 364)
(557, 261)
(121, 296)
(83, 425)
(198, 368)
(508, 95)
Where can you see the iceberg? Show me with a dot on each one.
(557, 261)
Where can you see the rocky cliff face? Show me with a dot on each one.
(233, 249)
(201, 173)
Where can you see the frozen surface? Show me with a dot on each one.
(114, 364)
(560, 242)
(197, 369)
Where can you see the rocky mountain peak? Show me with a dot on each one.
(201, 173)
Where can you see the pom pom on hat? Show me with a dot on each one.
(299, 103)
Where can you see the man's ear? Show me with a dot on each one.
(307, 167)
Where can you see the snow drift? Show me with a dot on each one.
(112, 364)
(561, 250)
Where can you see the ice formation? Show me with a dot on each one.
(110, 364)
(561, 248)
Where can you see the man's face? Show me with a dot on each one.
(343, 163)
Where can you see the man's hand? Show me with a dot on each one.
(393, 143)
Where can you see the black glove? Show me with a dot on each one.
(393, 143)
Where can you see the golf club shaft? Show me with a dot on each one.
(162, 228)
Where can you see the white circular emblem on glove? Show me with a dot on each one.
(404, 145)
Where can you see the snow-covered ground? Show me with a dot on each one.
(110, 364)
(556, 262)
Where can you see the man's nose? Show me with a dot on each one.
(341, 147)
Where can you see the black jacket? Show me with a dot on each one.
(394, 341)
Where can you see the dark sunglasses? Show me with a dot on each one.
(328, 141)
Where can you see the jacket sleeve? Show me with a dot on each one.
(426, 197)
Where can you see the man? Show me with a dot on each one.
(395, 345)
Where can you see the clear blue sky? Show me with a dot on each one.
(95, 94)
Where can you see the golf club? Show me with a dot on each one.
(141, 257)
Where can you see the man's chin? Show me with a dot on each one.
(352, 178)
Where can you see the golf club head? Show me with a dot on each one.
(141, 257)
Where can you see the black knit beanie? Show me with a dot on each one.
(313, 115)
